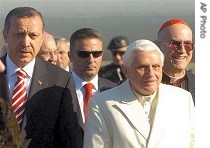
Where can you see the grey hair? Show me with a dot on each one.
(140, 45)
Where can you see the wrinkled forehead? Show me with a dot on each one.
(143, 57)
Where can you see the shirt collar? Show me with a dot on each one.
(79, 82)
(142, 98)
(67, 68)
(175, 79)
(12, 68)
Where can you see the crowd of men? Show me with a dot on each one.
(57, 94)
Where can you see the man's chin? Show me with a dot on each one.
(91, 73)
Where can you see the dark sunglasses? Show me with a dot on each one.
(85, 54)
(115, 53)
(176, 45)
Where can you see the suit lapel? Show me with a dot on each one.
(131, 107)
(104, 84)
(76, 102)
(38, 82)
(156, 131)
(39, 79)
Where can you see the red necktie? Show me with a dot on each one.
(88, 95)
(19, 96)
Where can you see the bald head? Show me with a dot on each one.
(48, 41)
(48, 49)
(172, 27)
(172, 22)
(175, 40)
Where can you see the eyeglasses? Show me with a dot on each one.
(176, 45)
(48, 53)
(85, 54)
(114, 53)
(62, 52)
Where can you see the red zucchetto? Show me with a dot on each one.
(172, 22)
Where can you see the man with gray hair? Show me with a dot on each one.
(63, 50)
(141, 112)
(48, 50)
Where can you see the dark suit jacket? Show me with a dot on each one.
(111, 72)
(103, 84)
(50, 120)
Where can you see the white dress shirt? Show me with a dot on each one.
(12, 76)
(146, 102)
(80, 90)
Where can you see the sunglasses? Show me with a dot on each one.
(176, 45)
(86, 54)
(115, 53)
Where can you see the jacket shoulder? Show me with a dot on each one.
(105, 84)
(172, 89)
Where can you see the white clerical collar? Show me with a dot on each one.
(174, 79)
(142, 98)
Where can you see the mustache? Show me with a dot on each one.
(25, 50)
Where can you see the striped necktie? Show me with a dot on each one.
(19, 96)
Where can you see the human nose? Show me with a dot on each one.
(149, 71)
(53, 56)
(181, 48)
(118, 56)
(26, 41)
(91, 58)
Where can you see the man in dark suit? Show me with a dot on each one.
(48, 118)
(86, 55)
